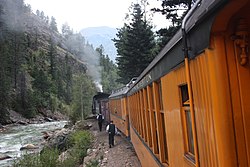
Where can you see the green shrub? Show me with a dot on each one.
(48, 158)
(93, 163)
(79, 142)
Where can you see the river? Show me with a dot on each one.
(15, 137)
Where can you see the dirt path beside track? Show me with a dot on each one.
(121, 155)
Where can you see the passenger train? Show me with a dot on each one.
(190, 106)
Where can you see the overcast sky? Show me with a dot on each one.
(90, 13)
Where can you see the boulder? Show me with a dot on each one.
(29, 147)
(82, 125)
(48, 119)
(3, 156)
(59, 139)
(46, 135)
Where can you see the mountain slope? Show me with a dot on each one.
(102, 36)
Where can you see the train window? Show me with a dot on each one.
(187, 123)
(189, 131)
(143, 116)
(152, 97)
(161, 138)
(156, 135)
(165, 145)
(184, 95)
(147, 115)
(160, 94)
(151, 118)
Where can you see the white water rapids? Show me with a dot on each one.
(15, 137)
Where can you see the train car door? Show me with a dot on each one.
(238, 59)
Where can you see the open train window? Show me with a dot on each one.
(187, 124)
(160, 95)
(165, 144)
(162, 143)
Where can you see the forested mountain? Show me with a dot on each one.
(102, 36)
(41, 69)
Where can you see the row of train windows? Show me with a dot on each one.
(150, 120)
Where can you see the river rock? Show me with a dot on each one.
(3, 156)
(29, 147)
(81, 125)
(46, 135)
(59, 139)
(48, 119)
(64, 155)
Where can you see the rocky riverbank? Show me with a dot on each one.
(43, 116)
(17, 139)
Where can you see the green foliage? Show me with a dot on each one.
(83, 91)
(48, 158)
(80, 141)
(24, 104)
(93, 163)
(174, 11)
(108, 73)
(5, 84)
(135, 46)
(165, 34)
(33, 76)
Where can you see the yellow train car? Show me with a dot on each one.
(190, 109)
(118, 109)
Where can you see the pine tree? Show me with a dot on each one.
(174, 10)
(135, 46)
(68, 80)
(52, 56)
(53, 24)
(66, 30)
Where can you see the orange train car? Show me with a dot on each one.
(118, 108)
(190, 108)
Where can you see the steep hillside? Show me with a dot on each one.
(40, 69)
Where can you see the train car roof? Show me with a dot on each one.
(198, 29)
(119, 92)
(123, 90)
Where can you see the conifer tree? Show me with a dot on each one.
(68, 80)
(174, 11)
(135, 45)
(52, 56)
(53, 24)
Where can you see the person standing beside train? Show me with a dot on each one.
(112, 130)
(100, 119)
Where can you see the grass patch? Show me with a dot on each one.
(80, 141)
(93, 163)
